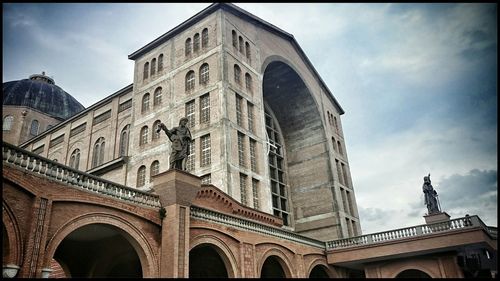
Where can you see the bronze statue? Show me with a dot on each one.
(430, 196)
(181, 140)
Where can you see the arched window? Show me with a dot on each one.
(34, 128)
(124, 141)
(156, 134)
(240, 40)
(153, 67)
(74, 160)
(141, 176)
(7, 122)
(196, 42)
(204, 73)
(98, 155)
(157, 96)
(146, 71)
(160, 63)
(248, 82)
(204, 38)
(154, 170)
(145, 103)
(188, 47)
(340, 148)
(144, 135)
(247, 50)
(190, 81)
(235, 40)
(237, 74)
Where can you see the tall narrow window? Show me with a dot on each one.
(344, 174)
(243, 189)
(190, 160)
(340, 148)
(160, 63)
(157, 96)
(250, 117)
(204, 38)
(188, 47)
(141, 176)
(253, 155)
(144, 135)
(98, 153)
(247, 50)
(190, 114)
(339, 172)
(334, 144)
(154, 170)
(205, 151)
(124, 141)
(239, 101)
(146, 71)
(196, 42)
(204, 73)
(145, 103)
(349, 201)
(205, 109)
(190, 81)
(241, 150)
(235, 39)
(279, 190)
(7, 122)
(155, 133)
(237, 74)
(240, 41)
(34, 127)
(153, 67)
(344, 200)
(74, 161)
(248, 82)
(336, 124)
(255, 192)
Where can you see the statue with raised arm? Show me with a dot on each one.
(430, 196)
(181, 140)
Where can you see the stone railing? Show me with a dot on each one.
(20, 158)
(208, 215)
(414, 231)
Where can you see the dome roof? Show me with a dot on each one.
(41, 93)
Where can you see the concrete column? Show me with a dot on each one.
(177, 189)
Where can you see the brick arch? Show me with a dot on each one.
(415, 266)
(285, 263)
(319, 261)
(14, 238)
(147, 255)
(222, 249)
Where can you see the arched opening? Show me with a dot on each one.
(272, 268)
(205, 261)
(412, 273)
(319, 271)
(98, 250)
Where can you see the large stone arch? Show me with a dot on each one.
(136, 238)
(414, 266)
(283, 260)
(222, 249)
(13, 236)
(319, 262)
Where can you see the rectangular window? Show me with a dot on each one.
(239, 101)
(205, 109)
(339, 172)
(206, 179)
(344, 201)
(255, 192)
(102, 117)
(349, 227)
(125, 105)
(253, 160)
(243, 189)
(241, 150)
(250, 117)
(344, 174)
(190, 157)
(349, 202)
(190, 114)
(205, 150)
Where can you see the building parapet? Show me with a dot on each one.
(23, 159)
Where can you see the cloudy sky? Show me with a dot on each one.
(417, 82)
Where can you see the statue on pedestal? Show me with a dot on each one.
(430, 194)
(181, 140)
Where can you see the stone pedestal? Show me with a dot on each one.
(437, 217)
(177, 189)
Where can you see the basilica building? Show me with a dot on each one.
(266, 190)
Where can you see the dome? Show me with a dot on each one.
(41, 93)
